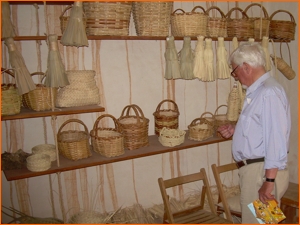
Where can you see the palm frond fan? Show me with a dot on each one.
(172, 63)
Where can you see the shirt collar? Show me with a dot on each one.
(258, 83)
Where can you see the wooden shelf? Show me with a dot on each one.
(154, 148)
(27, 113)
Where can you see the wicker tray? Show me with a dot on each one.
(216, 26)
(200, 129)
(108, 142)
(171, 137)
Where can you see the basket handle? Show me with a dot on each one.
(289, 52)
(117, 125)
(239, 9)
(8, 71)
(219, 108)
(72, 120)
(217, 8)
(177, 10)
(273, 14)
(138, 112)
(64, 11)
(207, 113)
(167, 100)
(39, 73)
(201, 120)
(197, 7)
(261, 6)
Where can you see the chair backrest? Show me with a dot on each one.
(217, 170)
(165, 184)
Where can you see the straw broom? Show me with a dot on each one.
(7, 26)
(209, 61)
(235, 43)
(265, 45)
(74, 34)
(172, 64)
(186, 57)
(23, 78)
(199, 66)
(223, 71)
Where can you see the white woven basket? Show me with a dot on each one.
(38, 162)
(47, 149)
(171, 137)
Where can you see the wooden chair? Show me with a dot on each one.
(194, 215)
(231, 206)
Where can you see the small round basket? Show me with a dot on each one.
(220, 119)
(38, 162)
(47, 149)
(171, 137)
(200, 129)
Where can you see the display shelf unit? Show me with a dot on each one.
(154, 148)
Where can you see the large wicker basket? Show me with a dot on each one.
(240, 28)
(171, 137)
(107, 18)
(189, 23)
(74, 144)
(108, 142)
(200, 129)
(152, 18)
(216, 26)
(166, 117)
(134, 127)
(282, 29)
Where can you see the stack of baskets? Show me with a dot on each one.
(216, 26)
(134, 127)
(166, 117)
(47, 149)
(200, 129)
(108, 142)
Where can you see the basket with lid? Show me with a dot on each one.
(216, 26)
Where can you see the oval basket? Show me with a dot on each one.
(216, 26)
(38, 162)
(166, 117)
(47, 149)
(108, 142)
(189, 23)
(73, 144)
(171, 137)
(200, 129)
(134, 127)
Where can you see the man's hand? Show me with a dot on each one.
(265, 191)
(226, 130)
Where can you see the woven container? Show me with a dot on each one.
(171, 137)
(240, 28)
(282, 29)
(166, 117)
(108, 142)
(216, 26)
(38, 162)
(189, 24)
(200, 129)
(261, 24)
(234, 101)
(134, 127)
(64, 19)
(107, 18)
(47, 149)
(220, 119)
(152, 18)
(209, 117)
(40, 99)
(73, 144)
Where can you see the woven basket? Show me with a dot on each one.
(234, 101)
(38, 162)
(189, 24)
(200, 129)
(134, 127)
(39, 99)
(220, 119)
(64, 19)
(282, 29)
(216, 26)
(108, 142)
(73, 144)
(47, 149)
(107, 18)
(240, 28)
(166, 117)
(210, 118)
(261, 24)
(171, 137)
(152, 18)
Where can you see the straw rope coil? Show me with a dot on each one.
(216, 26)
(47, 149)
(200, 129)
(108, 142)
(171, 137)
(166, 117)
(64, 19)
(38, 162)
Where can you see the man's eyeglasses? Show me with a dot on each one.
(232, 72)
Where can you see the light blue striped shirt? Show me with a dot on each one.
(264, 125)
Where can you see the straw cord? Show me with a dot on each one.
(61, 197)
(133, 178)
(111, 183)
(11, 196)
(275, 58)
(289, 52)
(171, 159)
(181, 193)
(53, 123)
(52, 197)
(129, 72)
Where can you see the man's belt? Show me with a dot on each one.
(249, 161)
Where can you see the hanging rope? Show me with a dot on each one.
(61, 198)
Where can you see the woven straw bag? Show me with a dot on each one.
(282, 29)
(74, 144)
(81, 91)
(134, 127)
(166, 117)
(108, 142)
(47, 149)
(40, 99)
(171, 137)
(233, 104)
(65, 18)
(200, 129)
(216, 26)
(152, 18)
(189, 23)
(107, 18)
(261, 24)
(38, 162)
(240, 28)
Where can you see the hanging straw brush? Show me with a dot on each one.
(199, 66)
(209, 61)
(235, 43)
(223, 70)
(172, 63)
(75, 34)
(23, 78)
(265, 45)
(7, 26)
(233, 104)
(186, 58)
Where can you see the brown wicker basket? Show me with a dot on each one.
(282, 29)
(152, 18)
(166, 117)
(216, 26)
(189, 24)
(220, 119)
(200, 129)
(108, 142)
(261, 24)
(74, 144)
(107, 18)
(40, 99)
(63, 18)
(240, 28)
(134, 127)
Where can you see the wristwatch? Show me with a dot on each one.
(269, 179)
